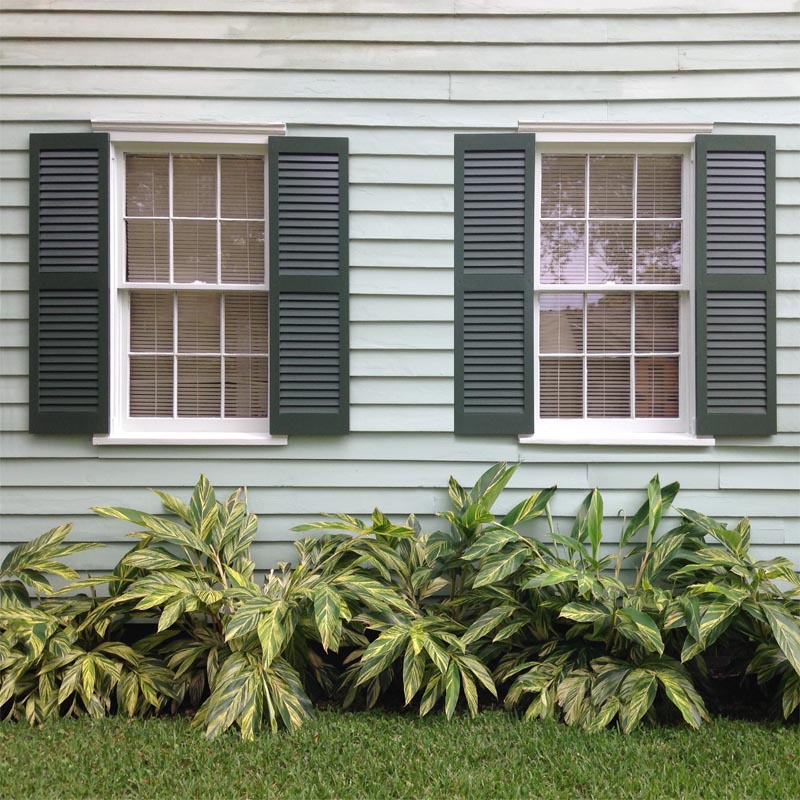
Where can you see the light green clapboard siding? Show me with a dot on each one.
(441, 29)
(398, 79)
(485, 8)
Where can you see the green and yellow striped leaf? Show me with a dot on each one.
(786, 630)
(637, 695)
(328, 612)
(640, 628)
(499, 566)
(679, 689)
(452, 689)
(531, 507)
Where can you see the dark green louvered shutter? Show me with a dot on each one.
(494, 283)
(309, 285)
(735, 206)
(69, 283)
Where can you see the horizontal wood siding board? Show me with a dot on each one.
(429, 114)
(777, 77)
(409, 27)
(399, 57)
(428, 8)
(402, 501)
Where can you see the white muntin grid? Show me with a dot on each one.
(177, 289)
(611, 425)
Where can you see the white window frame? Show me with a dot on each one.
(616, 138)
(133, 139)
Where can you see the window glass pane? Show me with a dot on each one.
(564, 186)
(608, 389)
(199, 386)
(151, 386)
(561, 387)
(563, 252)
(246, 323)
(610, 252)
(608, 323)
(658, 252)
(194, 180)
(245, 387)
(146, 186)
(151, 322)
(147, 250)
(657, 386)
(198, 322)
(657, 322)
(242, 252)
(242, 187)
(611, 186)
(194, 251)
(658, 183)
(561, 323)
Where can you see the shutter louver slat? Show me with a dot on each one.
(489, 337)
(736, 285)
(68, 350)
(309, 285)
(71, 186)
(728, 343)
(494, 243)
(739, 247)
(494, 284)
(68, 283)
(305, 246)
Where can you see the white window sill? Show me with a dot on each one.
(182, 439)
(644, 440)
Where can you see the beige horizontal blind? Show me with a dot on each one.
(194, 226)
(611, 228)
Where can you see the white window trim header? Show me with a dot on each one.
(630, 132)
(204, 132)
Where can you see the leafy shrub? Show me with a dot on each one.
(551, 624)
(429, 573)
(747, 605)
(61, 657)
(246, 647)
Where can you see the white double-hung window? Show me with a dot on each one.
(190, 318)
(612, 274)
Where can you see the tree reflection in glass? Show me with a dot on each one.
(610, 219)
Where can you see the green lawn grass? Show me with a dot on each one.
(381, 755)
